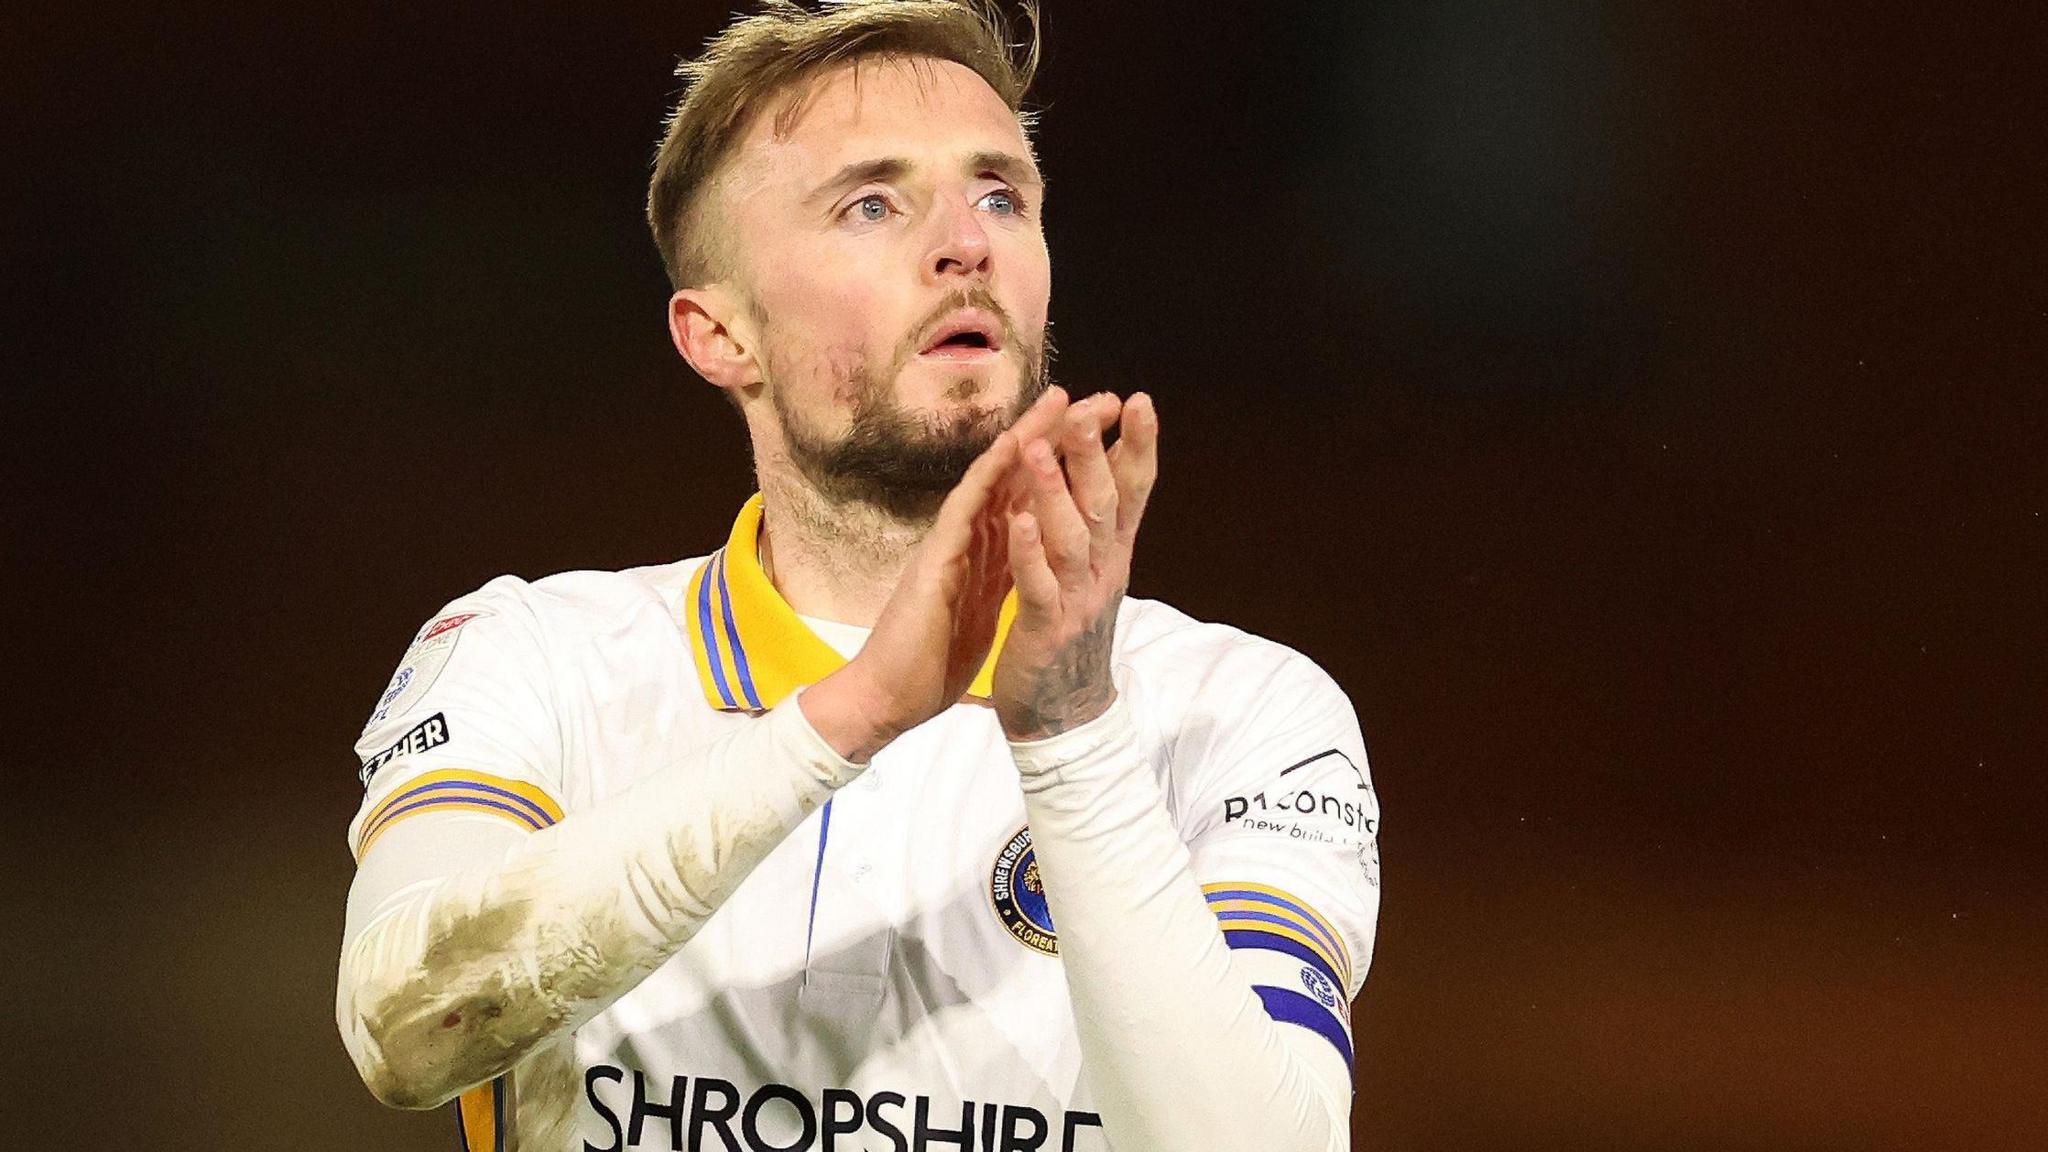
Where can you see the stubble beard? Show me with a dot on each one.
(899, 462)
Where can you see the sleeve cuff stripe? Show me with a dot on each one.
(1290, 1007)
(515, 812)
(534, 801)
(461, 789)
(1259, 894)
(465, 803)
(1273, 942)
(448, 790)
(1281, 926)
(1279, 915)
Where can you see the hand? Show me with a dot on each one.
(1070, 544)
(935, 632)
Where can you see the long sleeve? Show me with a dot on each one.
(454, 967)
(1179, 1047)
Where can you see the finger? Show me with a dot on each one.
(1063, 532)
(1098, 411)
(1090, 481)
(1048, 419)
(980, 602)
(992, 557)
(968, 538)
(1013, 490)
(1043, 416)
(1038, 590)
(976, 489)
(1135, 464)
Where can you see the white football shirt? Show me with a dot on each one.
(888, 978)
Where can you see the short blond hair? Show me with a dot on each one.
(776, 50)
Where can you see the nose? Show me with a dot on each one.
(961, 248)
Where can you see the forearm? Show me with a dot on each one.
(1176, 1047)
(453, 983)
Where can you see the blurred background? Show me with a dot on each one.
(1644, 404)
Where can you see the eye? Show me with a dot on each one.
(872, 207)
(1004, 202)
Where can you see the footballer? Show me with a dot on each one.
(892, 823)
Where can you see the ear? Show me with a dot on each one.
(711, 331)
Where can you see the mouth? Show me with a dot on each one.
(970, 334)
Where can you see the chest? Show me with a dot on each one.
(914, 888)
(900, 931)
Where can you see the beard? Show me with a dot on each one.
(903, 462)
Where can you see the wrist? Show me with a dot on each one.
(842, 709)
(1075, 752)
(1044, 719)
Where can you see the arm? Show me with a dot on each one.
(1189, 1038)
(458, 974)
(1179, 1045)
(473, 949)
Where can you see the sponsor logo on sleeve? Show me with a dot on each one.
(1019, 896)
(429, 733)
(420, 666)
(1324, 804)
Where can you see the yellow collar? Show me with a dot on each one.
(752, 650)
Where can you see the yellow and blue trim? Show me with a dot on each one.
(1261, 916)
(464, 790)
(750, 647)
(721, 658)
(480, 1117)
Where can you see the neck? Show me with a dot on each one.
(834, 560)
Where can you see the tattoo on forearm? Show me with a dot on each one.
(1074, 689)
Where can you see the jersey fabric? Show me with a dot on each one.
(889, 977)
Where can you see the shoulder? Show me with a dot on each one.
(1225, 707)
(1171, 653)
(504, 663)
(511, 627)
(588, 603)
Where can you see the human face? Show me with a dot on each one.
(900, 206)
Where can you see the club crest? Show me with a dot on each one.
(1019, 896)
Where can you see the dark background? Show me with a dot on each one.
(1639, 412)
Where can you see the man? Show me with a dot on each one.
(892, 823)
